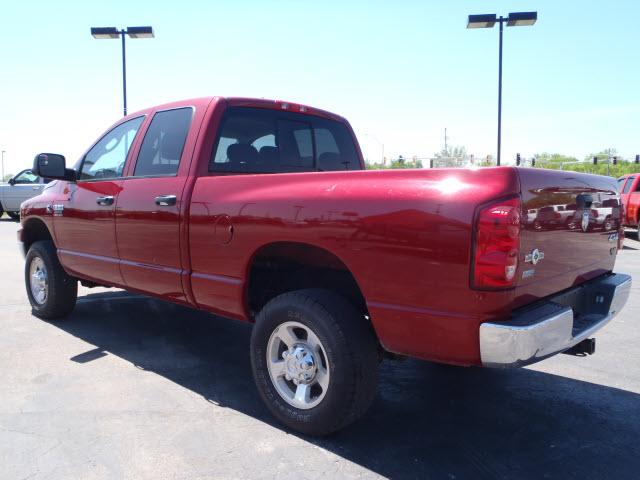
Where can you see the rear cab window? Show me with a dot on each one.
(258, 140)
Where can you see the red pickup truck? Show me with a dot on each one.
(629, 186)
(262, 211)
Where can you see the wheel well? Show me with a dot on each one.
(34, 230)
(286, 266)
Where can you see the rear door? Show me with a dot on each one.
(84, 220)
(151, 204)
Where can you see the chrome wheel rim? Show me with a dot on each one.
(38, 281)
(298, 365)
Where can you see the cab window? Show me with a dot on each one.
(25, 177)
(163, 143)
(255, 140)
(627, 186)
(106, 158)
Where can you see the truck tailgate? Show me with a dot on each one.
(571, 226)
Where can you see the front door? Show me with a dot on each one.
(150, 206)
(84, 220)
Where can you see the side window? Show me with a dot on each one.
(254, 140)
(163, 143)
(25, 177)
(637, 187)
(627, 186)
(107, 157)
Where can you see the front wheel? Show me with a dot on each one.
(314, 360)
(51, 291)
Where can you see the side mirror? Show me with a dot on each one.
(12, 181)
(52, 165)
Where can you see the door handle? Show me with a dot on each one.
(165, 200)
(107, 200)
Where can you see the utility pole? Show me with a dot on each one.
(446, 150)
(2, 179)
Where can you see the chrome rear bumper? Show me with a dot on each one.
(554, 325)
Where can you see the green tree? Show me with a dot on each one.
(557, 158)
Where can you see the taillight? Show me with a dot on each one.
(497, 245)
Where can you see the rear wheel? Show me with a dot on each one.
(314, 360)
(14, 215)
(51, 291)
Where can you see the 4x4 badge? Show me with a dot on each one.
(534, 257)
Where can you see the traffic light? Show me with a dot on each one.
(517, 159)
(637, 158)
(615, 160)
(595, 160)
(533, 162)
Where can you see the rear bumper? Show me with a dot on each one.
(554, 325)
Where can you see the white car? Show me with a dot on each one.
(19, 188)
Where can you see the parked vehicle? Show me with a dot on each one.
(262, 211)
(18, 189)
(630, 198)
(552, 216)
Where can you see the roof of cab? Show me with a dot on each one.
(246, 102)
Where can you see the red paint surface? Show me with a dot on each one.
(405, 235)
(631, 200)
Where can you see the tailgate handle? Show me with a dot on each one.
(165, 200)
(584, 200)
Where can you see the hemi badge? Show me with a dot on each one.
(534, 257)
(528, 273)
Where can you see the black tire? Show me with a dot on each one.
(1, 210)
(352, 354)
(14, 215)
(61, 289)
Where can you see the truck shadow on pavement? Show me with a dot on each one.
(427, 421)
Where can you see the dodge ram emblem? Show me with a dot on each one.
(585, 221)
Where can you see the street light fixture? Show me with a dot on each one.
(109, 33)
(515, 19)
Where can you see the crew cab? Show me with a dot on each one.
(630, 197)
(262, 211)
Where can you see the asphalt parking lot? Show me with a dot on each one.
(130, 387)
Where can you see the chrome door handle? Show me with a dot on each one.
(107, 200)
(165, 200)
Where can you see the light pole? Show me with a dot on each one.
(2, 179)
(515, 19)
(108, 33)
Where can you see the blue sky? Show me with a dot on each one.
(400, 71)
